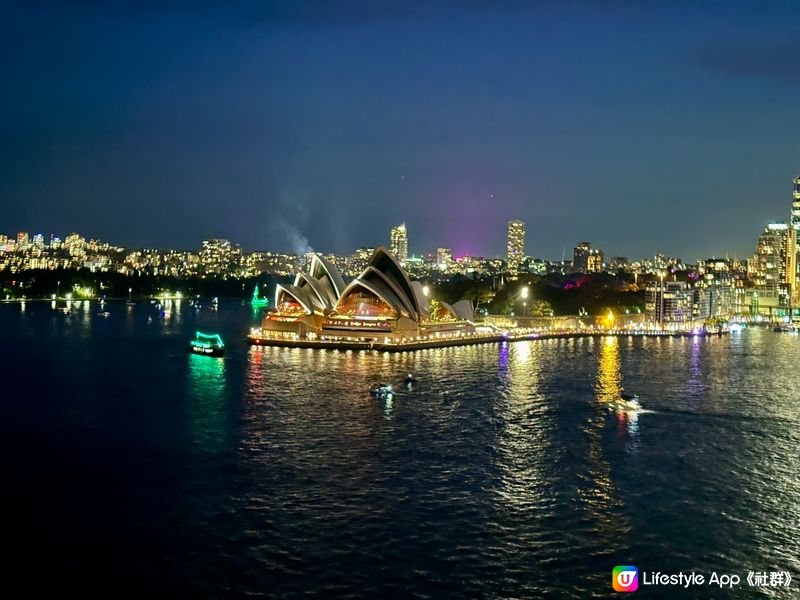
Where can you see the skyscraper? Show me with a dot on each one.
(774, 262)
(516, 245)
(398, 238)
(796, 205)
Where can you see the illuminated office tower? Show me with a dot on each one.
(398, 238)
(775, 263)
(796, 205)
(516, 245)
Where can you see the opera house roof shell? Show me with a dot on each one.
(383, 290)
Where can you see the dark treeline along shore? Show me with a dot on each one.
(42, 284)
(552, 294)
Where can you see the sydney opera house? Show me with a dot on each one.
(382, 307)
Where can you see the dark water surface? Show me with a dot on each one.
(131, 465)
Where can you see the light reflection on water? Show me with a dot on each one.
(208, 397)
(503, 473)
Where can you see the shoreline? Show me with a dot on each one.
(255, 340)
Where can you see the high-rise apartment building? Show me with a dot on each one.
(586, 259)
(516, 245)
(398, 243)
(796, 205)
(444, 258)
(774, 263)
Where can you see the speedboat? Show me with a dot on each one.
(626, 402)
(784, 328)
(380, 390)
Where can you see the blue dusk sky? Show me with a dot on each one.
(640, 126)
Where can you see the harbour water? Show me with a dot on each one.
(131, 464)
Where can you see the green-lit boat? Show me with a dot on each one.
(208, 344)
(257, 301)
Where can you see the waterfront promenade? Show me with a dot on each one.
(258, 338)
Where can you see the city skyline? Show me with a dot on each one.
(296, 242)
(274, 124)
(566, 253)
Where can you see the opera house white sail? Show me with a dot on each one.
(381, 305)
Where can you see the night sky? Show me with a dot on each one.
(639, 126)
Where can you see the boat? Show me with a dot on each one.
(626, 402)
(380, 390)
(105, 314)
(784, 328)
(257, 301)
(410, 380)
(208, 344)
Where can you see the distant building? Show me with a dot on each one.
(669, 303)
(516, 245)
(774, 265)
(586, 259)
(219, 257)
(398, 246)
(359, 260)
(619, 262)
(796, 205)
(444, 258)
(717, 296)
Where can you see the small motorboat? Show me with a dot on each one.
(208, 344)
(626, 402)
(784, 328)
(380, 390)
(410, 380)
(105, 314)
